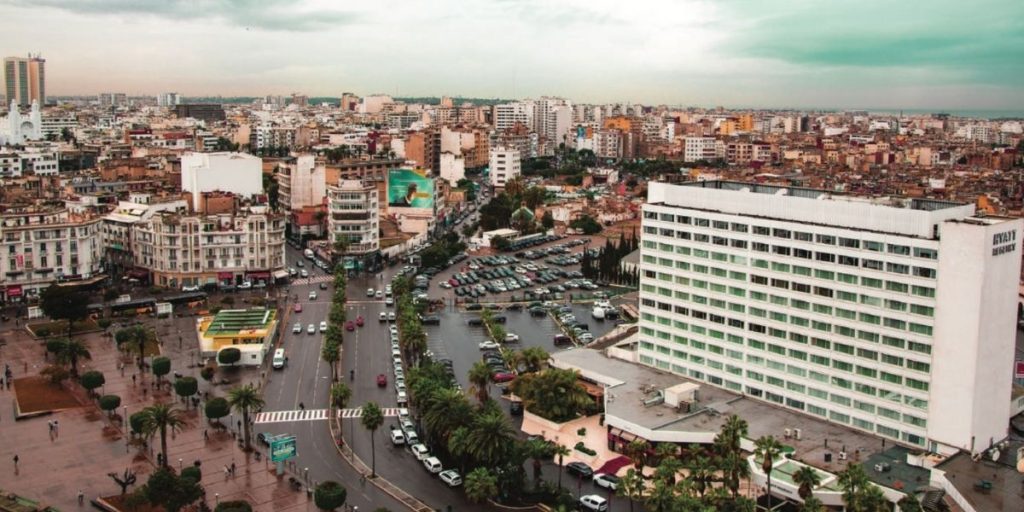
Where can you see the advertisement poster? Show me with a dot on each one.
(410, 188)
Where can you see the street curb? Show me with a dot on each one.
(380, 482)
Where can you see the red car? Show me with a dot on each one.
(359, 320)
(503, 377)
(349, 326)
(382, 380)
(298, 308)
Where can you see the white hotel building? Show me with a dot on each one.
(892, 316)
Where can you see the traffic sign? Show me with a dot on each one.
(282, 448)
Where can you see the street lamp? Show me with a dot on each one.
(179, 464)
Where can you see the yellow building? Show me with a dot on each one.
(252, 331)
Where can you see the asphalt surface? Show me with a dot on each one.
(306, 379)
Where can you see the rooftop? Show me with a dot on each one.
(629, 384)
(234, 322)
(988, 484)
(811, 193)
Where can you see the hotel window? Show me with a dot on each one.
(852, 243)
(929, 273)
(920, 329)
(739, 228)
(871, 264)
(761, 230)
(890, 377)
(923, 291)
(930, 254)
(902, 250)
(720, 224)
(825, 256)
(919, 366)
(895, 305)
(897, 268)
(802, 253)
(918, 309)
(826, 239)
(874, 246)
(803, 236)
(920, 347)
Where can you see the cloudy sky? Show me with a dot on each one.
(950, 54)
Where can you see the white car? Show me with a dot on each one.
(303, 273)
(323, 326)
(387, 290)
(433, 465)
(593, 502)
(389, 301)
(190, 288)
(487, 345)
(312, 295)
(445, 285)
(245, 285)
(379, 295)
(383, 316)
(419, 451)
(450, 477)
(292, 271)
(297, 329)
(511, 338)
(393, 329)
(311, 329)
(400, 398)
(369, 292)
(606, 481)
(397, 437)
(391, 315)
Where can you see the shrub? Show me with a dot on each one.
(580, 447)
(137, 421)
(206, 373)
(329, 495)
(228, 300)
(229, 356)
(42, 332)
(217, 408)
(55, 345)
(186, 386)
(161, 366)
(233, 506)
(192, 472)
(55, 373)
(103, 323)
(582, 432)
(109, 403)
(92, 379)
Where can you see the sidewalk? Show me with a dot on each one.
(89, 445)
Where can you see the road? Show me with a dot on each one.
(306, 379)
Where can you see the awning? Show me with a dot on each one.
(138, 273)
(14, 291)
(225, 275)
(593, 390)
(258, 275)
(280, 274)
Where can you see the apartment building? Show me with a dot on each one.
(181, 250)
(353, 218)
(301, 182)
(504, 166)
(25, 80)
(116, 229)
(43, 246)
(896, 317)
(702, 148)
(35, 160)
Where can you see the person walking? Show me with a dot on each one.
(81, 498)
(16, 459)
(232, 468)
(56, 429)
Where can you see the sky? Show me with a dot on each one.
(736, 53)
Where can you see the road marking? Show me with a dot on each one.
(389, 412)
(291, 416)
(312, 280)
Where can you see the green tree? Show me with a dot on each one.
(64, 303)
(445, 410)
(812, 504)
(727, 444)
(767, 448)
(909, 503)
(481, 485)
(547, 220)
(229, 356)
(560, 451)
(170, 491)
(458, 446)
(186, 387)
(372, 418)
(537, 450)
(71, 352)
(329, 495)
(158, 419)
(137, 422)
(233, 506)
(554, 394)
(245, 399)
(586, 224)
(109, 403)
(806, 479)
(91, 380)
(331, 355)
(480, 380)
(631, 486)
(340, 395)
(161, 366)
(661, 497)
(136, 338)
(217, 408)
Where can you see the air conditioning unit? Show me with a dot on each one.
(796, 433)
(842, 455)
(787, 433)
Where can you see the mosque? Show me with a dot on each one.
(17, 129)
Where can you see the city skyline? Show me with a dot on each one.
(734, 53)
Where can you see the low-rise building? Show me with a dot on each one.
(353, 220)
(251, 331)
(504, 166)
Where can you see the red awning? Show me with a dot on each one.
(225, 275)
(259, 275)
(14, 291)
(138, 273)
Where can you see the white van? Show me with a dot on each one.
(278, 362)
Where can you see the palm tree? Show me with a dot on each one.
(666, 450)
(701, 470)
(561, 451)
(537, 450)
(71, 352)
(661, 497)
(909, 503)
(668, 469)
(631, 486)
(480, 380)
(372, 418)
(490, 437)
(768, 448)
(812, 504)
(806, 478)
(245, 399)
(853, 481)
(159, 418)
(443, 411)
(340, 395)
(637, 451)
(458, 446)
(534, 358)
(330, 354)
(481, 484)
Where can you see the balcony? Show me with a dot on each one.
(350, 216)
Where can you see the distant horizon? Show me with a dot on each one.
(955, 54)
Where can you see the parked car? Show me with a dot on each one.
(451, 477)
(323, 326)
(323, 286)
(298, 308)
(511, 338)
(488, 345)
(303, 272)
(501, 377)
(311, 329)
(383, 317)
(312, 295)
(297, 329)
(606, 481)
(245, 285)
(419, 451)
(579, 469)
(369, 292)
(382, 380)
(397, 437)
(593, 503)
(433, 465)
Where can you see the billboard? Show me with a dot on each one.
(282, 448)
(410, 188)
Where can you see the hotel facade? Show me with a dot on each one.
(892, 316)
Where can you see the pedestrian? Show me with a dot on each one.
(50, 425)
(26, 366)
(133, 379)
(232, 468)
(206, 434)
(56, 429)
(239, 425)
(16, 459)
(226, 471)
(81, 497)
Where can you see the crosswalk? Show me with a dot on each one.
(314, 415)
(312, 280)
